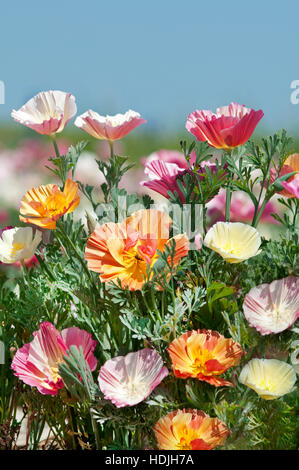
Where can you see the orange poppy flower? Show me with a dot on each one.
(189, 430)
(125, 251)
(204, 354)
(44, 205)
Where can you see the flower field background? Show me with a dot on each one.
(123, 328)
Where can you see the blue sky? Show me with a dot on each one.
(161, 58)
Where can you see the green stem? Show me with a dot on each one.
(74, 426)
(155, 305)
(53, 138)
(295, 213)
(111, 150)
(148, 308)
(25, 273)
(96, 432)
(227, 203)
(259, 214)
(67, 238)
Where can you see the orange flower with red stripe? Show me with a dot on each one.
(204, 355)
(126, 251)
(43, 206)
(189, 430)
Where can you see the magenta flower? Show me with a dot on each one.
(170, 156)
(272, 308)
(230, 127)
(128, 380)
(36, 363)
(109, 127)
(292, 187)
(164, 176)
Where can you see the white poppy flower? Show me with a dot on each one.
(234, 241)
(18, 244)
(48, 112)
(269, 378)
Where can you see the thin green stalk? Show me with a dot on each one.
(295, 213)
(227, 203)
(148, 308)
(67, 238)
(259, 214)
(96, 432)
(53, 138)
(111, 150)
(25, 273)
(155, 305)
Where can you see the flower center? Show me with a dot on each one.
(17, 247)
(134, 388)
(55, 374)
(232, 248)
(56, 204)
(199, 364)
(266, 385)
(185, 444)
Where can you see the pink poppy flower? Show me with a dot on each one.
(36, 363)
(170, 156)
(128, 380)
(48, 112)
(290, 165)
(272, 308)
(292, 188)
(230, 127)
(4, 216)
(164, 176)
(241, 208)
(109, 127)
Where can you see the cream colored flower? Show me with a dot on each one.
(234, 241)
(18, 244)
(269, 378)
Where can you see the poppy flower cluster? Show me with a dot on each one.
(126, 253)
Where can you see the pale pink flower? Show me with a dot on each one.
(36, 363)
(109, 127)
(272, 308)
(230, 127)
(48, 112)
(128, 380)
